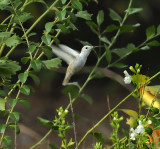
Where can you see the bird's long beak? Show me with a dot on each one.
(97, 46)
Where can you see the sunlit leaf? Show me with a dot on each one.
(22, 16)
(134, 10)
(48, 26)
(53, 63)
(13, 102)
(15, 116)
(5, 34)
(84, 14)
(61, 14)
(2, 128)
(130, 112)
(4, 4)
(2, 104)
(12, 41)
(23, 77)
(77, 5)
(7, 141)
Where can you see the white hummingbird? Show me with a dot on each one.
(74, 59)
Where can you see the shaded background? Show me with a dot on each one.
(48, 96)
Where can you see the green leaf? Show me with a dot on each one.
(48, 26)
(100, 17)
(122, 52)
(63, 28)
(87, 98)
(15, 116)
(15, 128)
(63, 1)
(108, 54)
(99, 137)
(25, 103)
(114, 15)
(23, 77)
(13, 102)
(150, 32)
(8, 68)
(129, 28)
(47, 51)
(145, 48)
(3, 27)
(61, 15)
(154, 43)
(120, 65)
(36, 65)
(53, 63)
(134, 10)
(3, 128)
(4, 4)
(70, 143)
(46, 39)
(44, 122)
(35, 78)
(12, 41)
(105, 39)
(24, 60)
(2, 104)
(7, 141)
(92, 26)
(158, 29)
(84, 14)
(38, 1)
(5, 34)
(77, 5)
(32, 48)
(25, 90)
(23, 16)
(70, 89)
(111, 28)
(3, 93)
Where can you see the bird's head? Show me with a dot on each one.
(87, 48)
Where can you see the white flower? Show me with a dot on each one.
(149, 122)
(140, 128)
(133, 134)
(127, 78)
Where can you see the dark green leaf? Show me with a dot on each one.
(158, 29)
(36, 65)
(150, 32)
(63, 1)
(53, 63)
(35, 78)
(13, 102)
(7, 141)
(23, 77)
(2, 128)
(87, 98)
(12, 41)
(99, 137)
(114, 15)
(61, 15)
(47, 51)
(24, 60)
(92, 26)
(46, 39)
(63, 28)
(100, 17)
(84, 43)
(48, 26)
(111, 28)
(84, 14)
(15, 116)
(17, 3)
(38, 1)
(154, 43)
(2, 104)
(4, 4)
(25, 103)
(3, 93)
(8, 68)
(70, 89)
(52, 146)
(15, 128)
(134, 10)
(3, 27)
(108, 54)
(129, 28)
(77, 5)
(44, 122)
(25, 90)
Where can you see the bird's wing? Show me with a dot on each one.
(68, 50)
(62, 54)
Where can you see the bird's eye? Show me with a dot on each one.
(86, 47)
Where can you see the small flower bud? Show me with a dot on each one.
(132, 69)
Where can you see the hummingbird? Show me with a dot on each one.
(75, 60)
